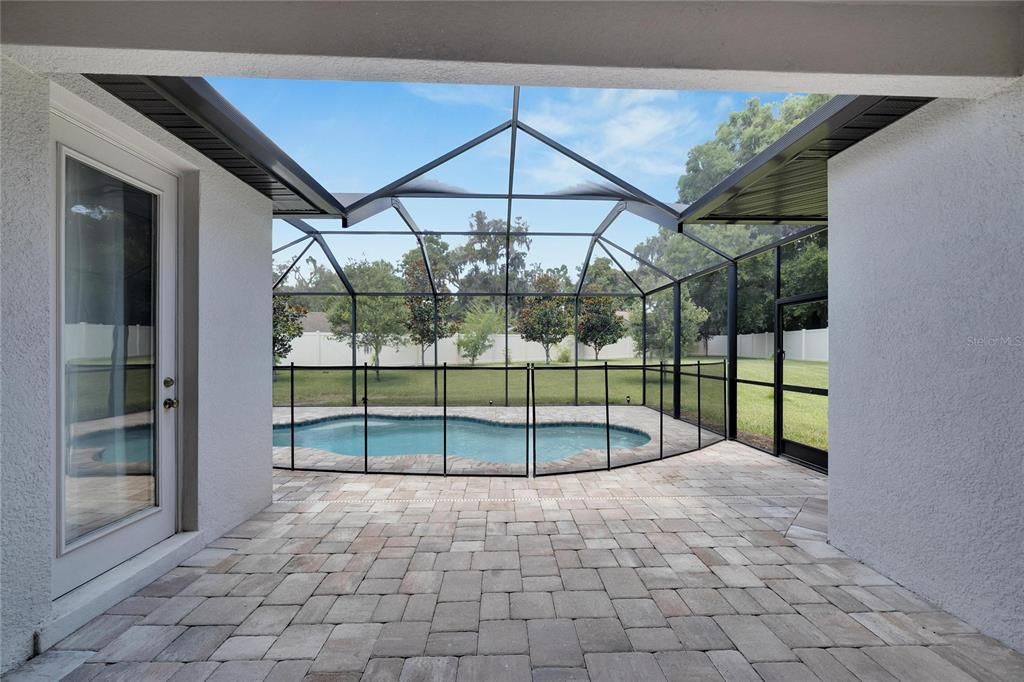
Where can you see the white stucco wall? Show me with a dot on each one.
(27, 391)
(235, 413)
(232, 343)
(926, 257)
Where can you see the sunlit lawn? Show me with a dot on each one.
(88, 388)
(806, 415)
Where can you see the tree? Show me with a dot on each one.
(443, 259)
(804, 271)
(546, 319)
(739, 138)
(420, 320)
(421, 312)
(550, 280)
(600, 324)
(381, 320)
(482, 322)
(659, 324)
(605, 278)
(479, 265)
(287, 325)
(311, 275)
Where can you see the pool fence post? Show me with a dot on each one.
(661, 410)
(366, 422)
(730, 374)
(532, 379)
(527, 462)
(676, 352)
(725, 398)
(576, 353)
(291, 402)
(607, 418)
(699, 420)
(352, 342)
(444, 423)
(436, 314)
(643, 346)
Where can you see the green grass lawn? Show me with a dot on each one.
(88, 389)
(806, 415)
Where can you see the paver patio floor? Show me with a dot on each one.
(708, 566)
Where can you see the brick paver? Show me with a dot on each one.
(710, 566)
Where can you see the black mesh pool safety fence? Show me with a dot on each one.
(556, 419)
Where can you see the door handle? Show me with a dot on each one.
(170, 403)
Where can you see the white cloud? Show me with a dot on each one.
(617, 99)
(489, 96)
(640, 135)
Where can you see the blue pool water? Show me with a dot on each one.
(134, 444)
(470, 438)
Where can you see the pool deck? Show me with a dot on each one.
(668, 437)
(709, 566)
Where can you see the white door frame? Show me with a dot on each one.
(83, 559)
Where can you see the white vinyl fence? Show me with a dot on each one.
(802, 344)
(321, 348)
(95, 341)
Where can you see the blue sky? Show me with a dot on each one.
(356, 137)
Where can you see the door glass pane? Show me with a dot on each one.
(805, 419)
(108, 350)
(805, 340)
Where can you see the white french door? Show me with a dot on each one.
(116, 457)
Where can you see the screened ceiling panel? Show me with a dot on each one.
(674, 253)
(424, 120)
(468, 263)
(604, 277)
(282, 233)
(482, 169)
(645, 276)
(284, 258)
(562, 215)
(374, 263)
(457, 215)
(553, 264)
(632, 232)
(313, 273)
(541, 169)
(738, 239)
(631, 133)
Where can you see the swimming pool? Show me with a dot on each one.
(112, 452)
(478, 439)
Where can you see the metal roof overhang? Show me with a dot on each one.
(787, 183)
(192, 110)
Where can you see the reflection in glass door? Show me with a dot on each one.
(116, 460)
(108, 349)
(801, 370)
